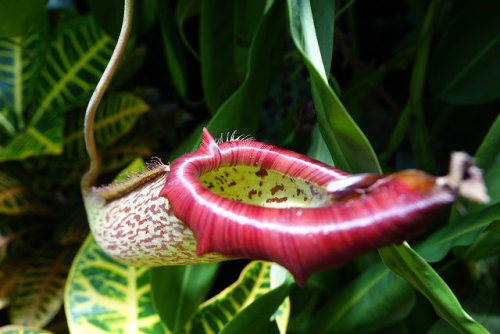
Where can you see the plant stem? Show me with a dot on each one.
(88, 128)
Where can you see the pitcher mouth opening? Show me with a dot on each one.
(248, 199)
(265, 187)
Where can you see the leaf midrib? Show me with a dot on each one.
(71, 73)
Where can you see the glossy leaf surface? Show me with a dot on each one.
(350, 149)
(408, 264)
(103, 296)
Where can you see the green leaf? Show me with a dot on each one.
(116, 115)
(42, 136)
(465, 68)
(186, 9)
(461, 232)
(375, 299)
(487, 244)
(229, 26)
(78, 54)
(16, 17)
(20, 64)
(242, 110)
(66, 170)
(103, 296)
(22, 330)
(172, 46)
(16, 198)
(219, 78)
(350, 149)
(405, 262)
(324, 22)
(38, 290)
(318, 149)
(488, 158)
(179, 290)
(215, 313)
(258, 316)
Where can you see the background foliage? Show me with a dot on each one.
(364, 85)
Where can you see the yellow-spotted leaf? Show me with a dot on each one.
(215, 313)
(37, 293)
(103, 296)
(15, 197)
(76, 58)
(20, 63)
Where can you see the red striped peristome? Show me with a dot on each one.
(361, 213)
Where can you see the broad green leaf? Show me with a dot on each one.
(20, 63)
(350, 149)
(258, 316)
(405, 262)
(22, 330)
(16, 198)
(215, 313)
(318, 149)
(229, 26)
(465, 67)
(103, 296)
(375, 299)
(16, 17)
(78, 54)
(242, 110)
(487, 244)
(179, 290)
(218, 75)
(324, 18)
(37, 294)
(461, 232)
(172, 45)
